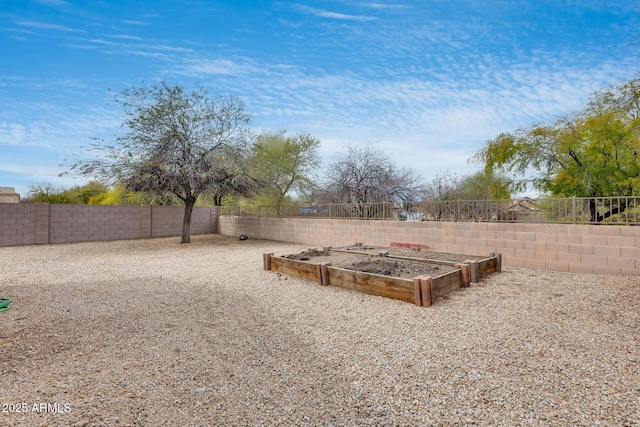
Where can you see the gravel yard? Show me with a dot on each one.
(154, 333)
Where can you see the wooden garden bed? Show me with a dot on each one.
(431, 278)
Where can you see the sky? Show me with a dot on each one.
(429, 82)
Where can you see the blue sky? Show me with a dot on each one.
(427, 81)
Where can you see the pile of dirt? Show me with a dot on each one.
(308, 254)
(390, 267)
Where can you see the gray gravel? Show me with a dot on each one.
(153, 333)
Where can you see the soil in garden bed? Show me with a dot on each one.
(411, 253)
(371, 263)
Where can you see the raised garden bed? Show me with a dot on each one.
(411, 274)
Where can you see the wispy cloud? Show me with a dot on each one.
(126, 37)
(47, 26)
(43, 172)
(12, 134)
(208, 67)
(55, 3)
(384, 6)
(126, 45)
(447, 117)
(132, 22)
(332, 15)
(19, 31)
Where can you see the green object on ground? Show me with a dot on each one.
(4, 304)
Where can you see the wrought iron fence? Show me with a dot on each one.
(599, 210)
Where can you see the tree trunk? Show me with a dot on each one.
(593, 210)
(186, 222)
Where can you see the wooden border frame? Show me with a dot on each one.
(422, 291)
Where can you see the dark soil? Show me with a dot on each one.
(395, 268)
(419, 253)
(371, 262)
(308, 254)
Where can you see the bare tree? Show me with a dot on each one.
(181, 143)
(366, 175)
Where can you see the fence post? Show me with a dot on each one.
(42, 223)
(573, 208)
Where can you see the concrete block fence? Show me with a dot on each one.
(603, 249)
(42, 223)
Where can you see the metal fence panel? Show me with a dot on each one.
(598, 210)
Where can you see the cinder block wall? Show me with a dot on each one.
(17, 224)
(604, 249)
(168, 222)
(42, 223)
(83, 223)
(578, 248)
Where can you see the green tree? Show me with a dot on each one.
(233, 178)
(284, 164)
(481, 185)
(177, 142)
(46, 193)
(485, 185)
(81, 194)
(119, 195)
(78, 194)
(592, 154)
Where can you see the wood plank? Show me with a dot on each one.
(417, 292)
(423, 260)
(324, 274)
(373, 284)
(486, 267)
(266, 261)
(446, 283)
(465, 271)
(498, 256)
(369, 254)
(426, 284)
(296, 268)
(474, 272)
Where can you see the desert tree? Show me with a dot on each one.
(365, 175)
(176, 142)
(285, 164)
(78, 194)
(593, 153)
(479, 193)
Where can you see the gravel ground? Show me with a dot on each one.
(153, 333)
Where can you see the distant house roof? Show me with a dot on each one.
(523, 204)
(9, 195)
